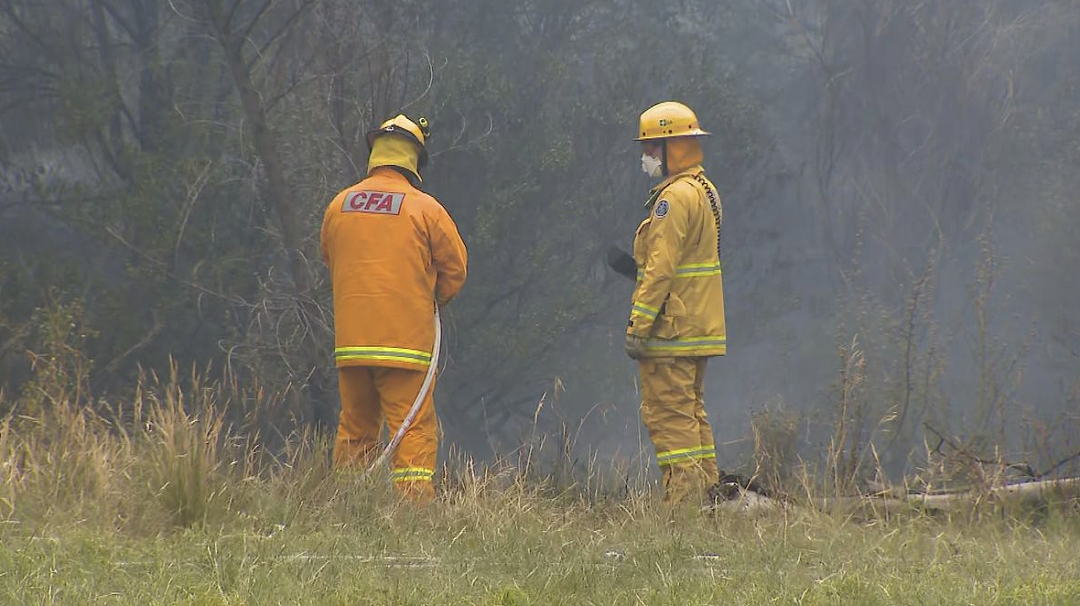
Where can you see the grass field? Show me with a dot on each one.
(172, 511)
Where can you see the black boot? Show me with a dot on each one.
(731, 486)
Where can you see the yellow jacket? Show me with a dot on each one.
(679, 299)
(392, 251)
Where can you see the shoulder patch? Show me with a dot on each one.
(661, 209)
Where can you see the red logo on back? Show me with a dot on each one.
(378, 202)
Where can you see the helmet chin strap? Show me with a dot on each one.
(663, 158)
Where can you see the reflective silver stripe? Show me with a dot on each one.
(669, 457)
(694, 270)
(707, 451)
(645, 310)
(691, 270)
(688, 343)
(681, 455)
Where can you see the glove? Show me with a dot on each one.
(635, 346)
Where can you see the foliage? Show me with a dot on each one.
(898, 183)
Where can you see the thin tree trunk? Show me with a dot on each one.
(289, 215)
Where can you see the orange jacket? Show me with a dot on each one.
(393, 251)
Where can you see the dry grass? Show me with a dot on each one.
(164, 504)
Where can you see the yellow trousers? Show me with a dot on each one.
(673, 410)
(370, 394)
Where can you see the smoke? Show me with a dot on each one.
(898, 183)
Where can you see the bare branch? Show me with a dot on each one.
(246, 30)
(285, 27)
(165, 269)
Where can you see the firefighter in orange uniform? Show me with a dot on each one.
(677, 314)
(393, 253)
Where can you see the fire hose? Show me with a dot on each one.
(425, 388)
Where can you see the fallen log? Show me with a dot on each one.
(1063, 488)
(897, 501)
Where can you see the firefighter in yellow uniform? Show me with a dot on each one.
(393, 253)
(677, 314)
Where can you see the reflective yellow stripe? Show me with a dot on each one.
(681, 455)
(675, 456)
(687, 343)
(412, 474)
(414, 356)
(643, 309)
(691, 270)
(393, 358)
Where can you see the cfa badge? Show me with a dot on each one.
(661, 209)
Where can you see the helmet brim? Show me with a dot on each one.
(697, 132)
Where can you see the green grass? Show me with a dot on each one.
(522, 549)
(91, 513)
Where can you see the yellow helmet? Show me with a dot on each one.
(668, 119)
(418, 132)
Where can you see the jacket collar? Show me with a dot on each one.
(655, 192)
(693, 170)
(394, 173)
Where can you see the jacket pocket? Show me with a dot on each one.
(640, 250)
(667, 325)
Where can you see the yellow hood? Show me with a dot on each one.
(390, 150)
(683, 153)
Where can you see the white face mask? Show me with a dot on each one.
(651, 166)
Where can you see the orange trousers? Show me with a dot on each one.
(673, 411)
(370, 394)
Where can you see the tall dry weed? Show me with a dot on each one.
(776, 455)
(184, 435)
